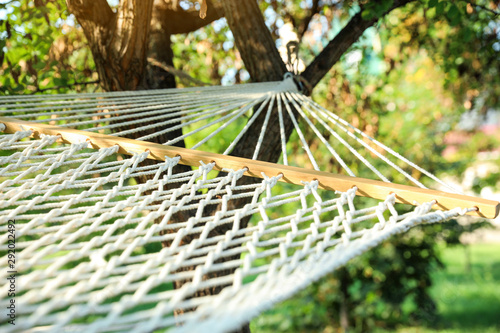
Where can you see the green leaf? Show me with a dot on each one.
(440, 8)
(467, 34)
(453, 14)
(59, 82)
(367, 15)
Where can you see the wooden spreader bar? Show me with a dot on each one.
(366, 187)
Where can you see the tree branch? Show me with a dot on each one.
(176, 20)
(92, 14)
(322, 64)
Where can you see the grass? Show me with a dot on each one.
(467, 291)
(468, 294)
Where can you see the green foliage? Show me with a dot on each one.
(41, 48)
(376, 9)
(463, 40)
(211, 53)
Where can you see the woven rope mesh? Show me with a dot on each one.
(95, 251)
(215, 119)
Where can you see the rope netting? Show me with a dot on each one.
(97, 251)
(216, 118)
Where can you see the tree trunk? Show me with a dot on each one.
(118, 41)
(160, 49)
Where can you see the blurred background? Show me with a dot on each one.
(424, 81)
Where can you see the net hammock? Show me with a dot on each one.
(96, 251)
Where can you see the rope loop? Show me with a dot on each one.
(302, 84)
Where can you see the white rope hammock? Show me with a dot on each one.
(88, 237)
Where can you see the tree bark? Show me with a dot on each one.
(118, 41)
(254, 41)
(160, 49)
